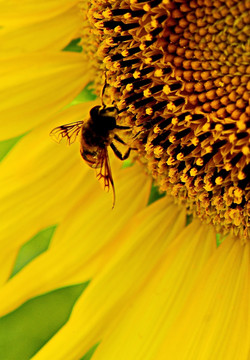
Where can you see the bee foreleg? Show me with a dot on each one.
(119, 154)
(122, 127)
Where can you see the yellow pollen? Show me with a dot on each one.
(127, 16)
(154, 23)
(148, 60)
(158, 73)
(148, 37)
(109, 42)
(157, 129)
(171, 106)
(125, 53)
(180, 157)
(232, 138)
(129, 87)
(219, 127)
(107, 59)
(142, 46)
(172, 139)
(199, 162)
(131, 108)
(238, 192)
(174, 121)
(195, 141)
(241, 125)
(228, 167)
(184, 178)
(208, 187)
(118, 29)
(147, 93)
(107, 13)
(170, 161)
(208, 149)
(206, 127)
(136, 74)
(219, 180)
(241, 175)
(149, 147)
(193, 172)
(149, 111)
(121, 104)
(146, 7)
(166, 89)
(245, 150)
(158, 150)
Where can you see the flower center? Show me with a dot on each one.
(179, 74)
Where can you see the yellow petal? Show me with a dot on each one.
(39, 182)
(14, 12)
(49, 34)
(35, 86)
(215, 322)
(8, 260)
(144, 323)
(111, 292)
(85, 241)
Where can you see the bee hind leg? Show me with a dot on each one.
(117, 138)
(121, 127)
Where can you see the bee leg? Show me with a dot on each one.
(122, 127)
(116, 137)
(119, 154)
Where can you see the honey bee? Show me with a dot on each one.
(96, 134)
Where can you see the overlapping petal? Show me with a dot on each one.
(48, 34)
(14, 12)
(144, 323)
(35, 86)
(40, 181)
(80, 248)
(113, 291)
(215, 321)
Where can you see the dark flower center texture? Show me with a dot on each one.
(178, 72)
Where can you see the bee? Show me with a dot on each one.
(96, 134)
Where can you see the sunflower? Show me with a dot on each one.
(177, 73)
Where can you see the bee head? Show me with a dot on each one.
(103, 117)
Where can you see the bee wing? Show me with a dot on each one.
(104, 174)
(68, 131)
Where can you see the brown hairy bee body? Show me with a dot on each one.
(95, 135)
